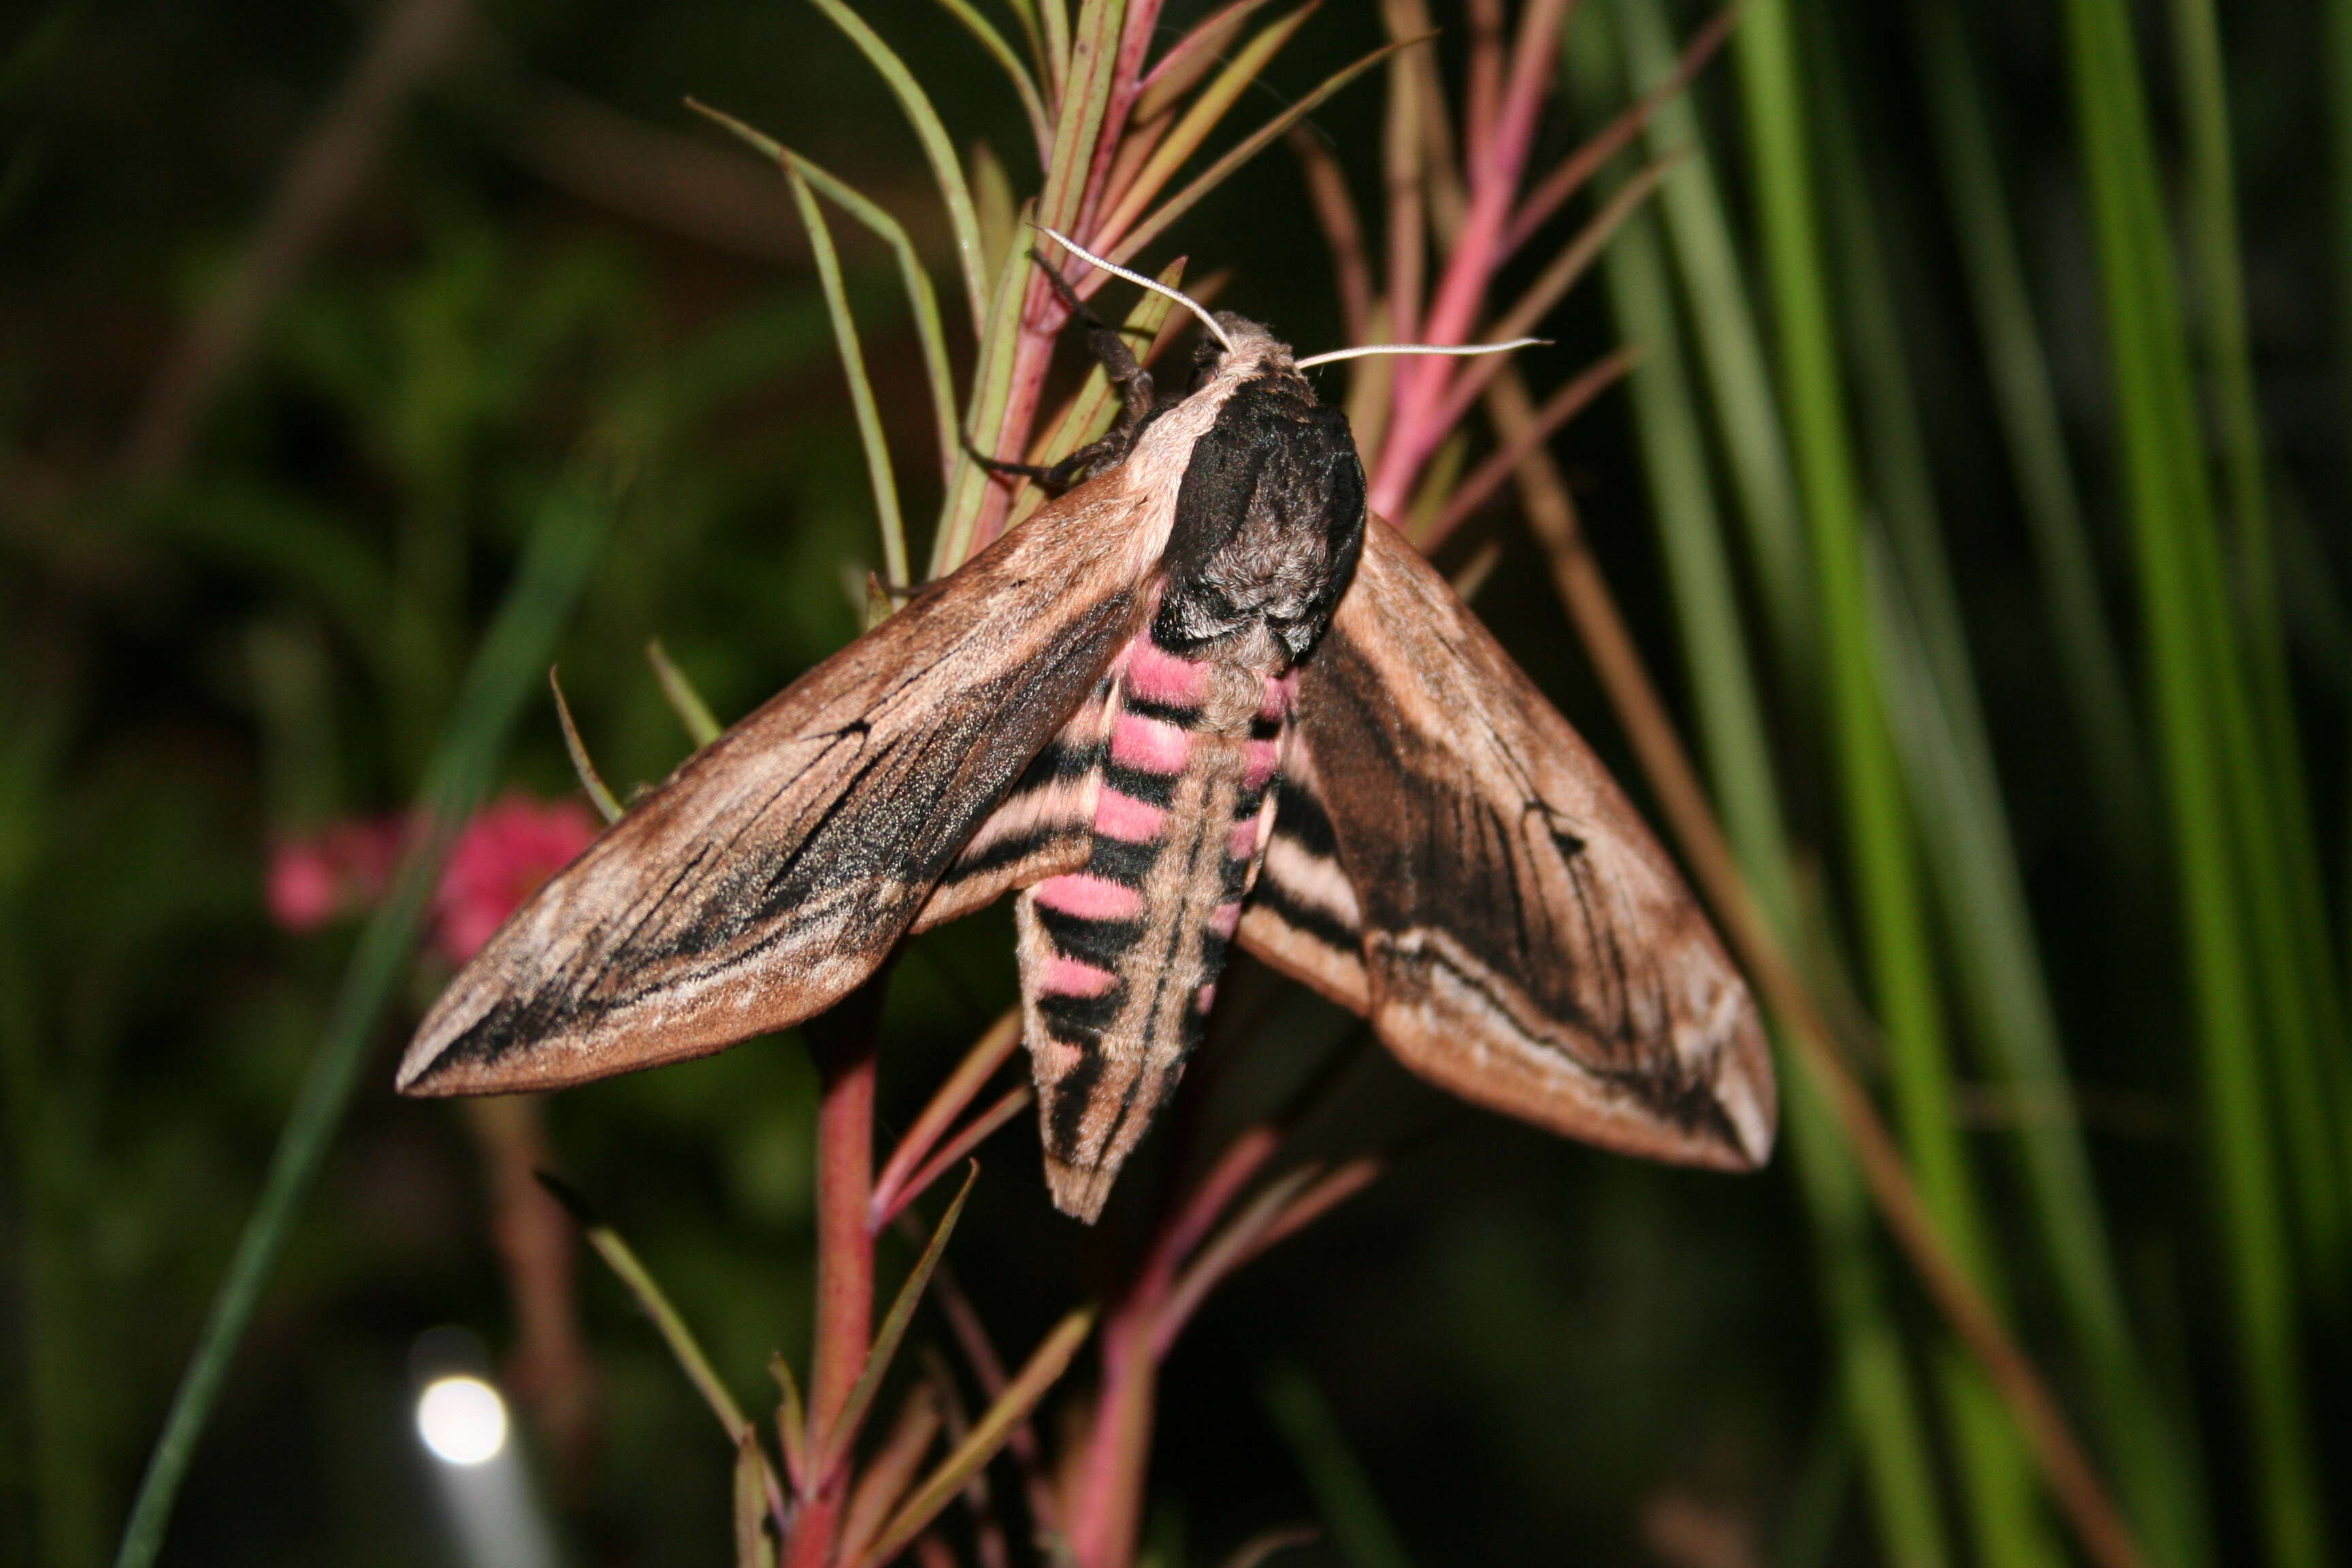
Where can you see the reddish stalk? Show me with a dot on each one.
(1106, 1511)
(1478, 252)
(843, 1044)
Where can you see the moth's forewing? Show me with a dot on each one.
(1521, 939)
(776, 870)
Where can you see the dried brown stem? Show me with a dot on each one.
(1343, 228)
(1561, 406)
(539, 1247)
(1618, 662)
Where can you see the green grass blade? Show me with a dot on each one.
(2113, 749)
(582, 765)
(1881, 845)
(1707, 614)
(861, 390)
(2290, 906)
(937, 149)
(1949, 764)
(1025, 86)
(2171, 517)
(517, 644)
(1878, 1391)
(654, 1303)
(702, 726)
(1730, 348)
(921, 298)
(1361, 1532)
(1880, 1395)
(1054, 19)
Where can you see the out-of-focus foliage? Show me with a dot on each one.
(1959, 301)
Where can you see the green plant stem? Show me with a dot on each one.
(505, 671)
(1875, 1384)
(1949, 764)
(1882, 850)
(1360, 1528)
(2112, 748)
(1730, 350)
(2301, 984)
(2171, 514)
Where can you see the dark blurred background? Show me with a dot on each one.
(229, 634)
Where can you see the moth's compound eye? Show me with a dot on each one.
(1206, 356)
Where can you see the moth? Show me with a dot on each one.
(1201, 697)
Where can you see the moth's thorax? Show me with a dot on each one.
(1270, 513)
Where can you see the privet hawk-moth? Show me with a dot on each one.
(1201, 697)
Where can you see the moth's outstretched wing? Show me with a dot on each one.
(1523, 940)
(773, 871)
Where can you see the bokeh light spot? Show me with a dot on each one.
(462, 1420)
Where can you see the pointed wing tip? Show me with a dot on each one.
(423, 1073)
(1745, 1092)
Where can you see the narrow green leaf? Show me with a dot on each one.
(791, 1419)
(563, 544)
(894, 1328)
(861, 390)
(988, 1435)
(921, 297)
(1881, 845)
(1730, 350)
(1023, 85)
(2301, 986)
(991, 388)
(1362, 1531)
(2112, 747)
(752, 1547)
(702, 726)
(582, 766)
(623, 1260)
(1085, 99)
(1054, 19)
(1878, 1395)
(937, 148)
(2171, 511)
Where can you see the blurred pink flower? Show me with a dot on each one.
(340, 871)
(499, 860)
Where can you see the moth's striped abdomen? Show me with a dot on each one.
(1119, 960)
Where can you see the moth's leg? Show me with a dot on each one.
(1037, 471)
(1110, 351)
(1124, 371)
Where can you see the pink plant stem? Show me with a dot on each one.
(1478, 253)
(1108, 1511)
(843, 1043)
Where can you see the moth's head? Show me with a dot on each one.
(1239, 351)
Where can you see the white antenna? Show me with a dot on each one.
(1157, 286)
(1457, 349)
